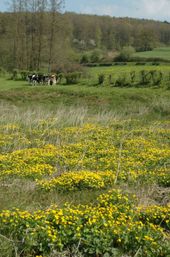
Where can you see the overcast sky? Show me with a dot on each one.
(151, 9)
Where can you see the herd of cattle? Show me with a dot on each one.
(38, 79)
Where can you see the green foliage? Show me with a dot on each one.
(15, 74)
(132, 76)
(122, 81)
(84, 59)
(68, 67)
(2, 71)
(96, 56)
(113, 223)
(72, 77)
(125, 54)
(144, 77)
(101, 78)
(157, 77)
(24, 74)
(164, 179)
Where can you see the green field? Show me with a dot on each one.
(162, 52)
(126, 68)
(123, 101)
(84, 169)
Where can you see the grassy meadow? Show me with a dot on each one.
(161, 52)
(84, 169)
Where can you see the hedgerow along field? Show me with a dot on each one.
(84, 170)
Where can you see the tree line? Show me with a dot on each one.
(36, 35)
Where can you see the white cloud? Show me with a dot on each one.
(155, 9)
(102, 9)
(150, 9)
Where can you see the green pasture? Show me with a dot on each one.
(121, 69)
(8, 84)
(162, 52)
(125, 102)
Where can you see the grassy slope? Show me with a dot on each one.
(126, 100)
(163, 52)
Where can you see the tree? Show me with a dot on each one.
(126, 53)
(54, 7)
(145, 40)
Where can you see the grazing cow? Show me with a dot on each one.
(34, 79)
(41, 79)
(52, 80)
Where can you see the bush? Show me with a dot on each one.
(24, 74)
(122, 81)
(156, 76)
(120, 63)
(145, 77)
(72, 77)
(84, 58)
(140, 63)
(105, 64)
(59, 77)
(132, 76)
(96, 56)
(15, 74)
(101, 78)
(125, 54)
(92, 64)
(156, 63)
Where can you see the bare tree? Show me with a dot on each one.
(54, 7)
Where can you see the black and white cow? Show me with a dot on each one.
(39, 79)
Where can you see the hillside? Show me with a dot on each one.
(23, 47)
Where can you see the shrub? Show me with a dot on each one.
(105, 64)
(92, 64)
(110, 79)
(145, 77)
(60, 76)
(156, 63)
(122, 81)
(84, 58)
(156, 76)
(120, 63)
(140, 63)
(101, 78)
(24, 74)
(72, 77)
(96, 56)
(125, 53)
(15, 74)
(132, 76)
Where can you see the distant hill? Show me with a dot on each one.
(37, 40)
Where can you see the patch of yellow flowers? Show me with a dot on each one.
(79, 180)
(113, 222)
(129, 156)
(88, 157)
